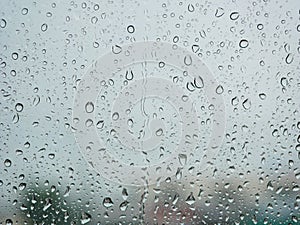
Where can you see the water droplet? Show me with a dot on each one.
(175, 79)
(51, 155)
(89, 107)
(219, 12)
(22, 186)
(2, 23)
(85, 218)
(244, 43)
(94, 19)
(190, 86)
(234, 101)
(115, 116)
(219, 89)
(123, 206)
(130, 29)
(234, 15)
(182, 159)
(129, 75)
(289, 58)
(100, 124)
(24, 11)
(187, 60)
(8, 222)
(159, 132)
(262, 96)
(116, 49)
(195, 48)
(191, 8)
(7, 162)
(88, 123)
(19, 107)
(190, 199)
(14, 56)
(124, 194)
(175, 39)
(198, 82)
(96, 7)
(161, 64)
(16, 118)
(246, 104)
(44, 27)
(107, 202)
(260, 26)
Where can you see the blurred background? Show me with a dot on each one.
(252, 48)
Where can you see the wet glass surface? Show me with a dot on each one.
(150, 112)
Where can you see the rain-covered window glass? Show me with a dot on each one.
(149, 112)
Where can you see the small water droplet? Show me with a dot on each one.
(195, 48)
(22, 186)
(24, 11)
(219, 12)
(85, 218)
(89, 107)
(260, 26)
(243, 43)
(246, 104)
(187, 60)
(219, 89)
(191, 8)
(190, 199)
(129, 75)
(190, 86)
(159, 132)
(2, 23)
(115, 116)
(19, 107)
(14, 56)
(130, 29)
(175, 39)
(51, 155)
(262, 96)
(161, 64)
(234, 101)
(182, 159)
(107, 202)
(100, 124)
(94, 19)
(116, 49)
(123, 206)
(234, 15)
(175, 79)
(198, 82)
(289, 58)
(7, 162)
(44, 27)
